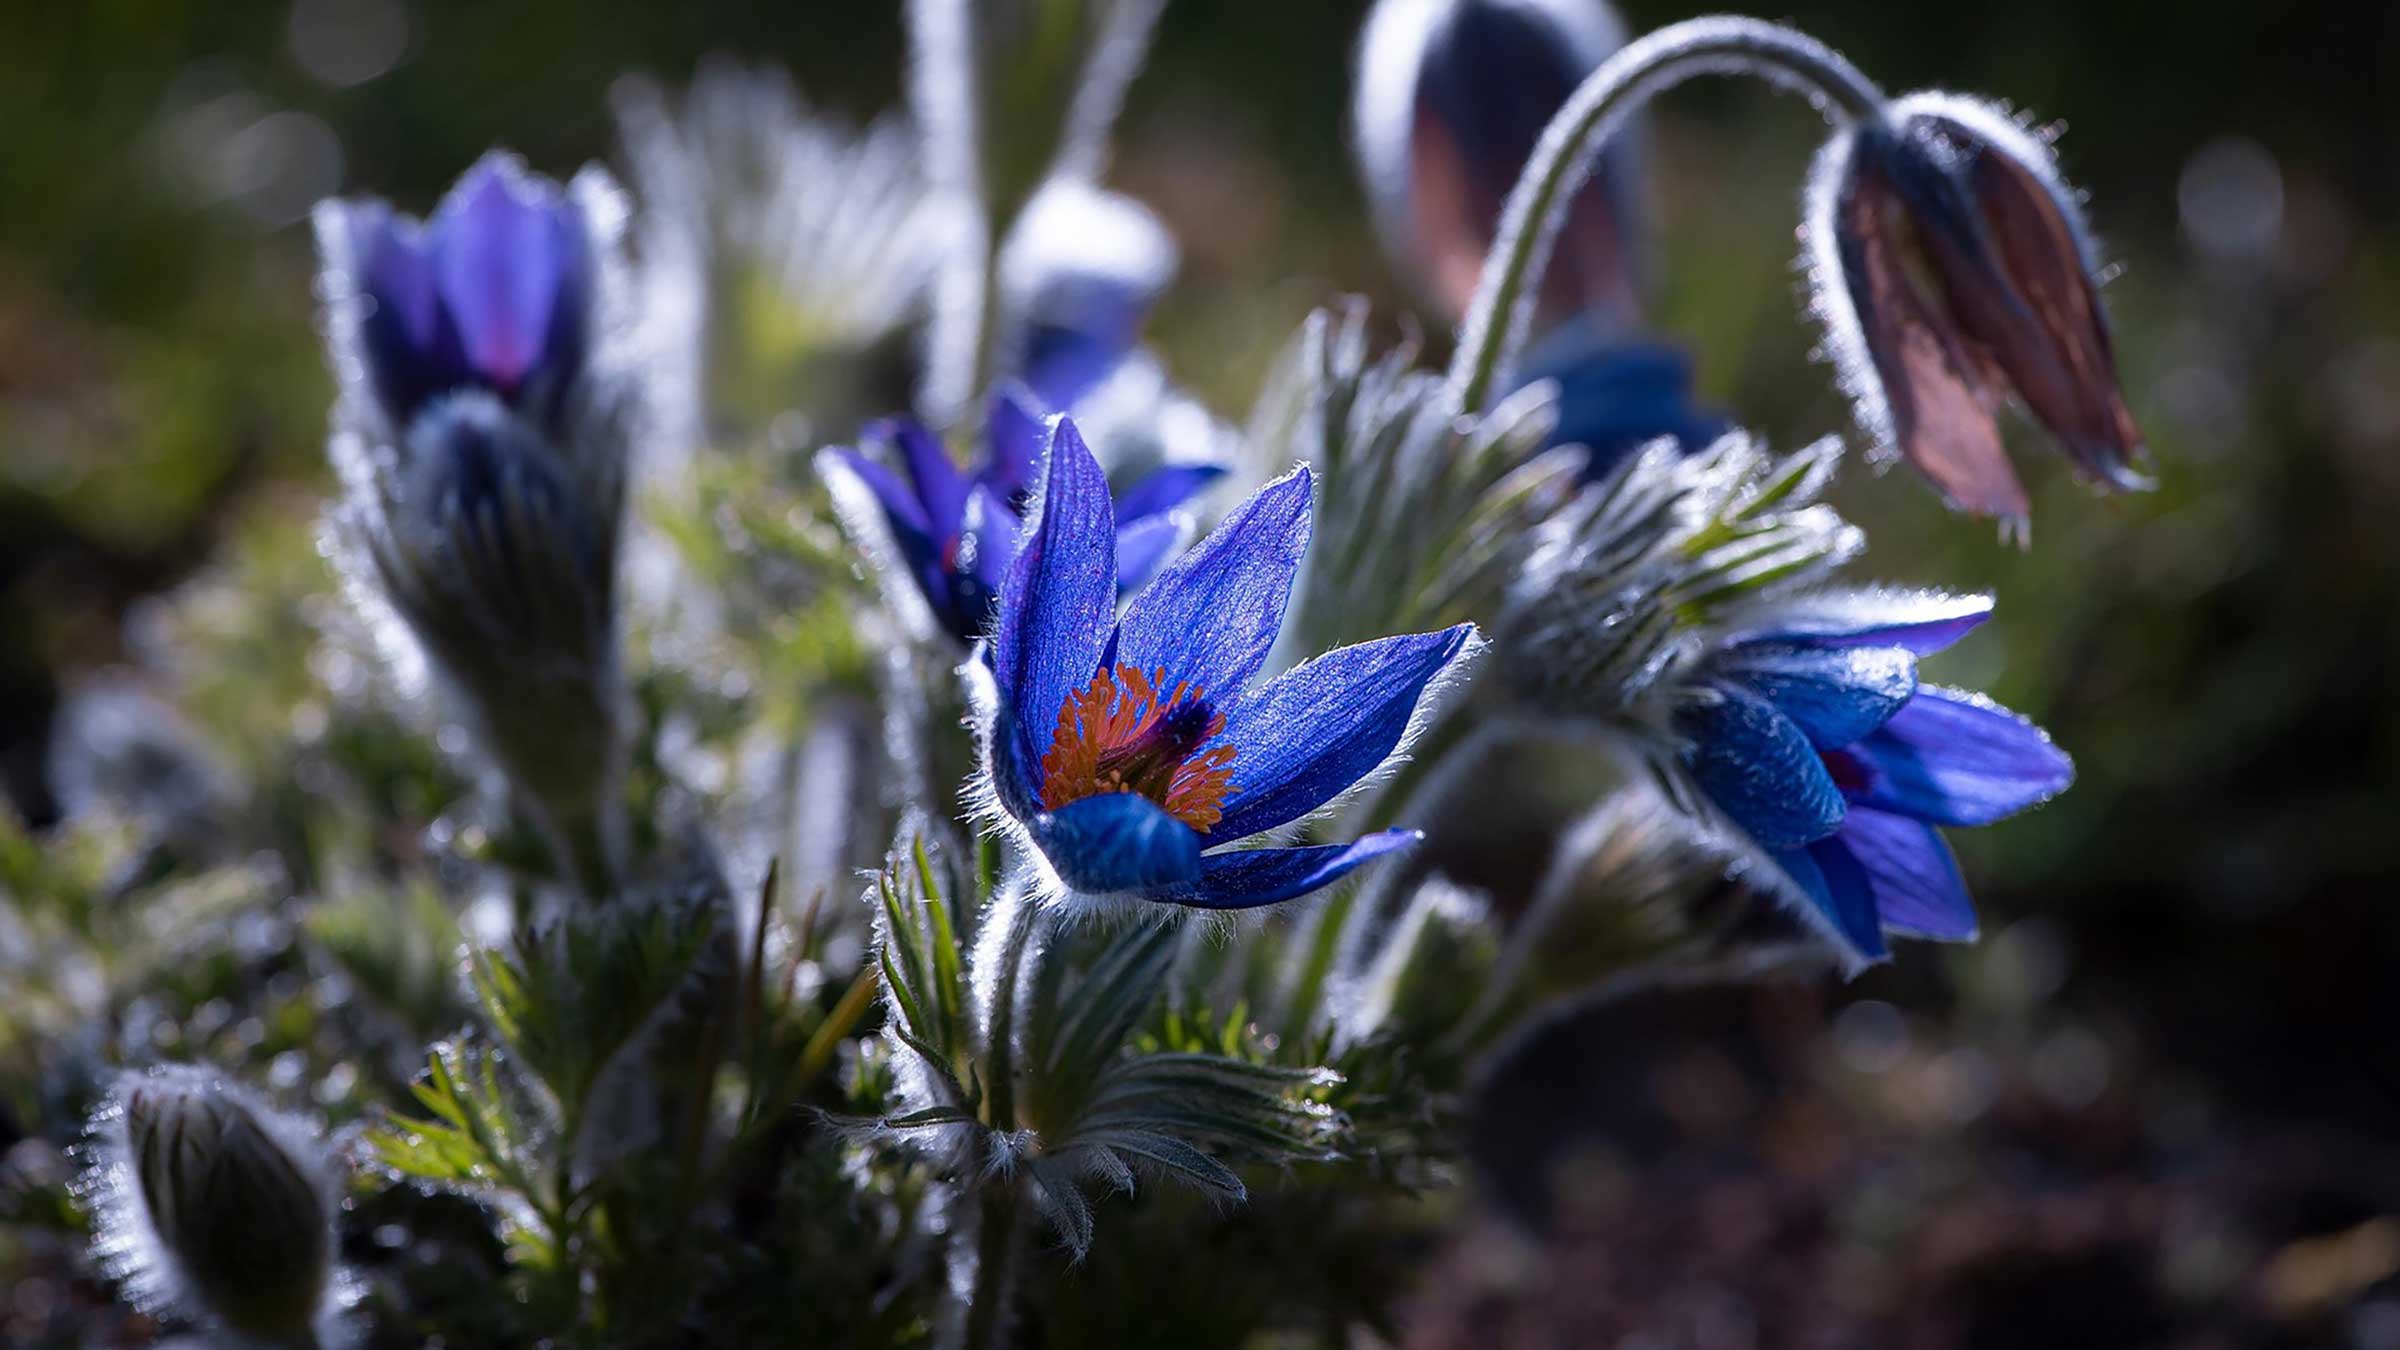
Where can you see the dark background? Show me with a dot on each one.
(2181, 1026)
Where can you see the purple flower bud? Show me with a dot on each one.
(1452, 96)
(1953, 271)
(215, 1205)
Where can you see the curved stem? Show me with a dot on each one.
(1495, 326)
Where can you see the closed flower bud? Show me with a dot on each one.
(1452, 97)
(1081, 270)
(1953, 271)
(215, 1206)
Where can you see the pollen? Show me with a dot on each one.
(1119, 734)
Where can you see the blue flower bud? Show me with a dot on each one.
(1081, 271)
(214, 1205)
(1953, 271)
(1452, 97)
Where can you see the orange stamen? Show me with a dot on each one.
(1117, 734)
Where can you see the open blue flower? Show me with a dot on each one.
(1820, 744)
(1129, 750)
(494, 291)
(957, 531)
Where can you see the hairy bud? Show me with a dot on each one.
(1953, 272)
(214, 1205)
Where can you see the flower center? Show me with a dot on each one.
(1117, 734)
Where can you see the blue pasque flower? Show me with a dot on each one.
(1817, 740)
(490, 402)
(956, 531)
(493, 292)
(1127, 751)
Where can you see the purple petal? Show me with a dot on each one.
(1165, 489)
(1118, 842)
(1955, 758)
(410, 349)
(1211, 616)
(1918, 890)
(510, 259)
(900, 505)
(931, 472)
(1304, 737)
(1248, 878)
(1836, 883)
(988, 536)
(1143, 546)
(1013, 438)
(1056, 608)
(1759, 768)
(1833, 694)
(1924, 622)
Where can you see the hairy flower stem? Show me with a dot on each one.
(1496, 324)
(999, 1240)
(999, 1214)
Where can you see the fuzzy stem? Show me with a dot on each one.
(1496, 323)
(998, 1226)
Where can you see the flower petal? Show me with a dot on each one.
(1055, 610)
(1918, 890)
(512, 261)
(1166, 488)
(1248, 878)
(900, 505)
(1955, 758)
(1013, 437)
(1118, 842)
(1211, 616)
(1924, 622)
(1834, 694)
(931, 472)
(1304, 737)
(1144, 545)
(1936, 398)
(1758, 767)
(1836, 883)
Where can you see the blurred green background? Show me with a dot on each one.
(2213, 907)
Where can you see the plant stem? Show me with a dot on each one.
(993, 1296)
(1496, 323)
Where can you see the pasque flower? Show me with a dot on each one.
(215, 1205)
(1128, 751)
(956, 531)
(1813, 735)
(482, 436)
(1953, 271)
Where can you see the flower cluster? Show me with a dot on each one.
(1535, 635)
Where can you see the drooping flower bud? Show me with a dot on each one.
(214, 1205)
(1953, 271)
(1452, 97)
(489, 410)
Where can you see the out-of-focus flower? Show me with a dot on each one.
(214, 1205)
(1953, 270)
(1615, 396)
(488, 410)
(1452, 97)
(1127, 751)
(1080, 272)
(1811, 734)
(956, 533)
(771, 235)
